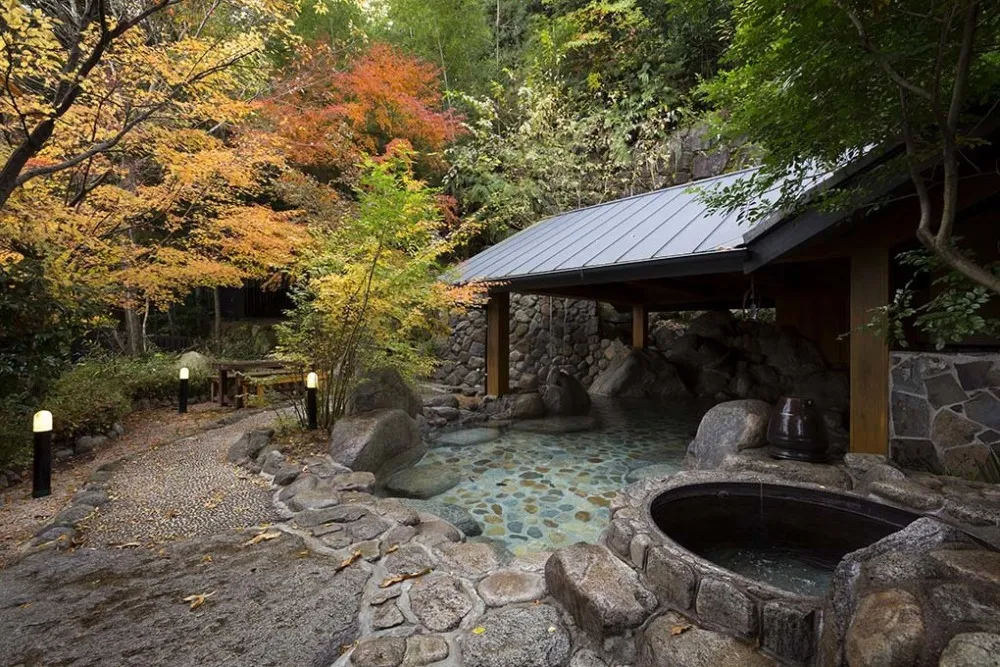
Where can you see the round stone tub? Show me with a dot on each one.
(704, 543)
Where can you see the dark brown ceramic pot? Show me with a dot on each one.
(794, 431)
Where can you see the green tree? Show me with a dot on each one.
(452, 34)
(370, 296)
(817, 84)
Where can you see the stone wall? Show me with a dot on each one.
(945, 416)
(545, 333)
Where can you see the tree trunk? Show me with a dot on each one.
(133, 331)
(217, 323)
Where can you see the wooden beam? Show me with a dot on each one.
(640, 327)
(869, 411)
(498, 344)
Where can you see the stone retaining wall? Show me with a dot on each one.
(945, 416)
(545, 333)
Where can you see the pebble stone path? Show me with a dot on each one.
(183, 489)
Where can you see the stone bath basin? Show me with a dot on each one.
(673, 530)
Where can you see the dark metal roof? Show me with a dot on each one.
(650, 231)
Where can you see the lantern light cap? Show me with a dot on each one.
(312, 381)
(42, 422)
(185, 373)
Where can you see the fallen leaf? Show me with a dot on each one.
(478, 630)
(127, 545)
(679, 629)
(347, 561)
(207, 558)
(403, 577)
(261, 537)
(24, 605)
(392, 548)
(198, 600)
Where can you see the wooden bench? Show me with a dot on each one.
(254, 373)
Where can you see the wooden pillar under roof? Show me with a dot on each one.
(869, 412)
(640, 326)
(498, 344)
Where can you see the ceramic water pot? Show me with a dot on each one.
(795, 432)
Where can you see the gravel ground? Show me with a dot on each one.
(183, 489)
(21, 515)
(271, 603)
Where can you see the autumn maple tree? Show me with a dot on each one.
(330, 115)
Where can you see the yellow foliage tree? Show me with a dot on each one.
(122, 168)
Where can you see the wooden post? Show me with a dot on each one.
(869, 412)
(640, 326)
(498, 344)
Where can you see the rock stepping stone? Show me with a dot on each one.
(379, 652)
(454, 514)
(423, 481)
(511, 587)
(425, 649)
(673, 640)
(526, 636)
(601, 592)
(469, 559)
(439, 602)
(468, 436)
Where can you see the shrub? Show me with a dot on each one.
(15, 429)
(97, 392)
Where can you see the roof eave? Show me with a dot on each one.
(718, 261)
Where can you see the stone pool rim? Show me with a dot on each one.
(787, 625)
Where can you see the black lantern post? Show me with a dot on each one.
(312, 382)
(41, 425)
(182, 392)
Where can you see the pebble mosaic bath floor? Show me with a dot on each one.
(539, 492)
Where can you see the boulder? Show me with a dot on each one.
(641, 374)
(673, 640)
(887, 631)
(564, 395)
(422, 481)
(88, 443)
(525, 636)
(789, 353)
(249, 446)
(369, 441)
(528, 406)
(729, 428)
(693, 353)
(603, 594)
(383, 390)
(441, 401)
(972, 649)
(716, 324)
(195, 362)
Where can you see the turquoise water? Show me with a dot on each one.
(539, 491)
